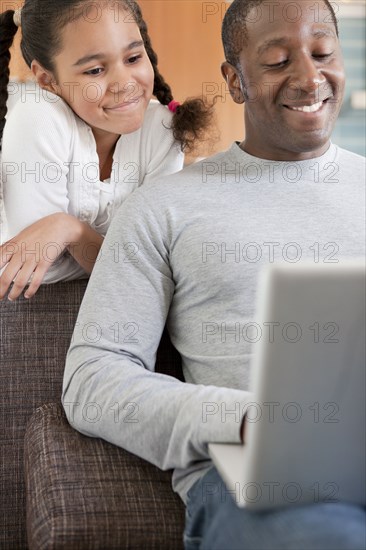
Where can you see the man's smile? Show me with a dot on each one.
(308, 108)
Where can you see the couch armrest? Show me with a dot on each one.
(84, 493)
(35, 335)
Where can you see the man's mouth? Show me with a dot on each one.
(307, 108)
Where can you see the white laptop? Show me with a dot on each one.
(305, 437)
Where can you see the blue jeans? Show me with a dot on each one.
(215, 522)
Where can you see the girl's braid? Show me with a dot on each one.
(193, 118)
(162, 90)
(8, 30)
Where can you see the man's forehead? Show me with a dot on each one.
(269, 12)
(270, 22)
(290, 9)
(282, 40)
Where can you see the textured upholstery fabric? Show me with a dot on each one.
(34, 338)
(84, 493)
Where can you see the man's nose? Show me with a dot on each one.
(306, 74)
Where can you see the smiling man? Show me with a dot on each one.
(288, 69)
(199, 239)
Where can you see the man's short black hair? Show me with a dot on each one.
(235, 31)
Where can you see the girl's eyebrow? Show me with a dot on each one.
(100, 56)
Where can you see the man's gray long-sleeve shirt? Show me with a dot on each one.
(186, 251)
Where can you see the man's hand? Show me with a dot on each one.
(30, 254)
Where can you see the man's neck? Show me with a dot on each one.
(282, 155)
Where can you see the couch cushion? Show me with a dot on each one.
(84, 493)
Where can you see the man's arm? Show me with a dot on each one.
(110, 389)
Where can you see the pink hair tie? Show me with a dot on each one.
(173, 106)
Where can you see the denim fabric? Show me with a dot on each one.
(215, 522)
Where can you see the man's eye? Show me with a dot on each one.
(322, 55)
(94, 72)
(276, 65)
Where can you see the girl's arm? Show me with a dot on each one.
(37, 145)
(36, 155)
(85, 245)
(30, 254)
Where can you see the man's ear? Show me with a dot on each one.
(230, 74)
(44, 78)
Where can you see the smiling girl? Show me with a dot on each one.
(85, 137)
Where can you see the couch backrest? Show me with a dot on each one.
(35, 337)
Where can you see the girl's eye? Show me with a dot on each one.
(94, 72)
(134, 58)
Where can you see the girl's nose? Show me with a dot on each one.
(114, 87)
(120, 79)
(124, 91)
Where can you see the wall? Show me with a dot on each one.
(350, 130)
(187, 36)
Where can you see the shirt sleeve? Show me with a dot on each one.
(110, 389)
(35, 157)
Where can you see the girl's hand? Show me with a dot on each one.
(30, 254)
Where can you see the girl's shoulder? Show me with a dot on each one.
(157, 116)
(38, 108)
(39, 124)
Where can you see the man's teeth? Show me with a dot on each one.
(308, 108)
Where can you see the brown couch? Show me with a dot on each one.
(82, 493)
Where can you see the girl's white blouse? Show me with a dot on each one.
(50, 164)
